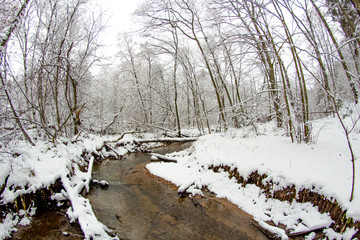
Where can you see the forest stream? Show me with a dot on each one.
(139, 206)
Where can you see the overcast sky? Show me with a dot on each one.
(119, 14)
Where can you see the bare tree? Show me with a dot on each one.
(340, 53)
(58, 43)
(134, 72)
(13, 22)
(184, 16)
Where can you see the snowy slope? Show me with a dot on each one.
(323, 167)
(26, 169)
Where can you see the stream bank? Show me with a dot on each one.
(139, 206)
(53, 175)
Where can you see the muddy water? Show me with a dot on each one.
(49, 224)
(139, 206)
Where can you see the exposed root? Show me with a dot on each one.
(40, 199)
(341, 222)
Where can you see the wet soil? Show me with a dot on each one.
(51, 225)
(139, 206)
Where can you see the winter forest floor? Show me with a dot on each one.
(289, 189)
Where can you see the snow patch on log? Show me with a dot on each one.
(81, 210)
(158, 157)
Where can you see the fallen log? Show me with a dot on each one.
(113, 150)
(154, 140)
(82, 211)
(155, 157)
(88, 175)
(165, 140)
(122, 136)
(266, 230)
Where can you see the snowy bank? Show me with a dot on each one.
(26, 169)
(323, 168)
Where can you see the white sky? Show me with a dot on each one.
(119, 14)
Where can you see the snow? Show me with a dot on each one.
(36, 167)
(8, 225)
(331, 234)
(249, 198)
(323, 167)
(277, 231)
(12, 219)
(26, 169)
(81, 210)
(310, 236)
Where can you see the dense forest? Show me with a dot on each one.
(212, 65)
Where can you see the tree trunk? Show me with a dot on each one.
(300, 76)
(342, 58)
(176, 48)
(16, 116)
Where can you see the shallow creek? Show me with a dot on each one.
(139, 206)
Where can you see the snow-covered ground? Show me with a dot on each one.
(26, 169)
(323, 167)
